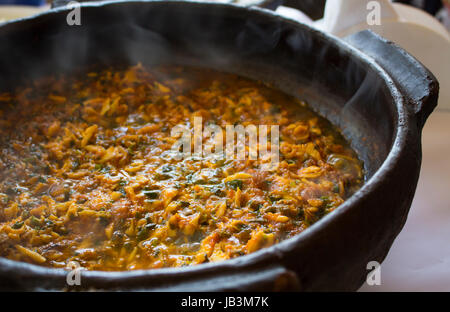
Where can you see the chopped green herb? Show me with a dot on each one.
(98, 167)
(152, 194)
(184, 204)
(235, 184)
(17, 225)
(35, 222)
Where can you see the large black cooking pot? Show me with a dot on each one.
(374, 91)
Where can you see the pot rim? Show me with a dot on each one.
(276, 251)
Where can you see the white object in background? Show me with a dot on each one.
(295, 15)
(414, 30)
(9, 12)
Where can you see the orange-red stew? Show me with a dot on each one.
(86, 175)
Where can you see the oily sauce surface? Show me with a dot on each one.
(86, 172)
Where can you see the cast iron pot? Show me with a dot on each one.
(376, 93)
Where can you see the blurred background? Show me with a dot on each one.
(312, 8)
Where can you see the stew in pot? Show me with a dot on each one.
(88, 172)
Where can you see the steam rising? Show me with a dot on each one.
(225, 37)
